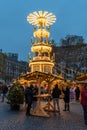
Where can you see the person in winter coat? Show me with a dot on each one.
(35, 93)
(28, 98)
(4, 91)
(55, 95)
(77, 93)
(84, 102)
(72, 94)
(66, 92)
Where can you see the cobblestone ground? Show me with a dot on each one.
(14, 120)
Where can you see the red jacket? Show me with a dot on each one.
(84, 96)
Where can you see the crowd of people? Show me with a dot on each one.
(69, 95)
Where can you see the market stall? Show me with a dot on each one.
(39, 77)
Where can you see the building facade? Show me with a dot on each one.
(71, 40)
(2, 65)
(71, 60)
(10, 67)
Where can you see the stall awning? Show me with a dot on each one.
(45, 76)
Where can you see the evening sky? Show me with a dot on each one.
(16, 32)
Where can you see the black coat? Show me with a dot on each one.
(56, 92)
(35, 92)
(77, 91)
(66, 95)
(4, 89)
(28, 95)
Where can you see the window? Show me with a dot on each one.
(47, 69)
(36, 68)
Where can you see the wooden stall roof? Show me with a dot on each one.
(81, 77)
(35, 75)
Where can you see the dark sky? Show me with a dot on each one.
(16, 32)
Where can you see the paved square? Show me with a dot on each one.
(17, 120)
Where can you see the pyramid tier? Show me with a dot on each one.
(41, 48)
(41, 33)
(42, 66)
